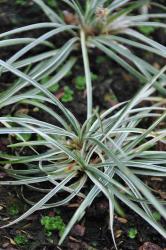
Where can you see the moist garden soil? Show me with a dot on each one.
(112, 85)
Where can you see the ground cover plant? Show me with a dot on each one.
(104, 147)
(110, 26)
(111, 153)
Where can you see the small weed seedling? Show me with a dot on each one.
(68, 94)
(80, 81)
(132, 233)
(13, 209)
(20, 239)
(53, 223)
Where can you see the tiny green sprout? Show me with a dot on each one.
(13, 209)
(53, 223)
(68, 94)
(80, 81)
(20, 239)
(132, 233)
(147, 30)
(156, 216)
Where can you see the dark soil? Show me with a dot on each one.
(92, 231)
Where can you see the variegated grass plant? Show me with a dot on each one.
(110, 152)
(110, 26)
